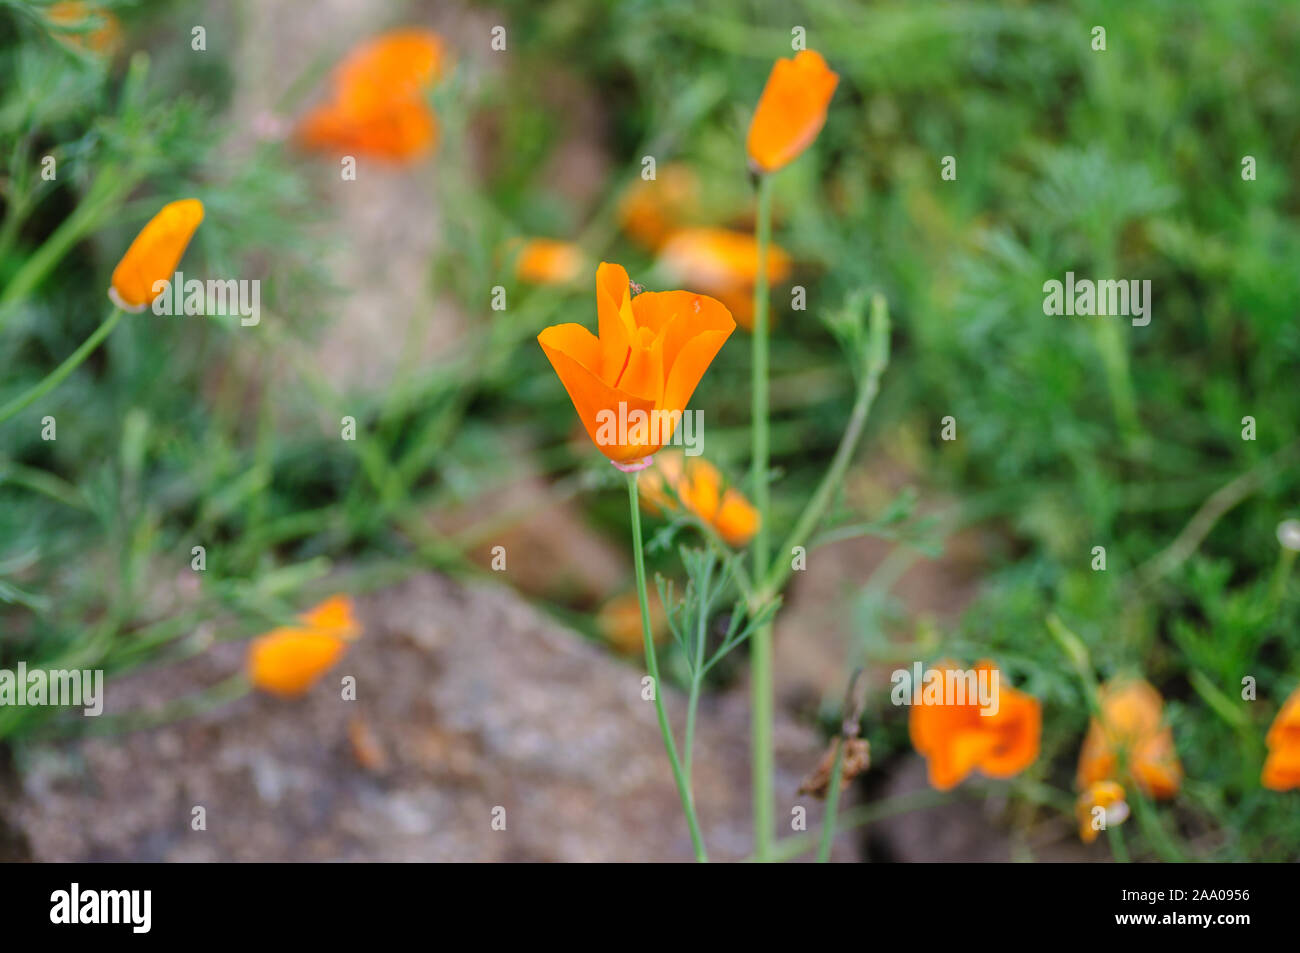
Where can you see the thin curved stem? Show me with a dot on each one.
(56, 376)
(652, 666)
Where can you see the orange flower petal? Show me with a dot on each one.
(545, 261)
(290, 659)
(154, 254)
(649, 356)
(791, 111)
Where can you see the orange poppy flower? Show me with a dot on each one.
(1131, 731)
(154, 254)
(700, 488)
(104, 38)
(630, 384)
(651, 210)
(791, 111)
(545, 261)
(1107, 795)
(378, 105)
(290, 659)
(958, 739)
(1282, 767)
(723, 263)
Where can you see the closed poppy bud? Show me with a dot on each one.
(1130, 739)
(696, 484)
(1107, 795)
(290, 659)
(1282, 767)
(631, 383)
(154, 254)
(791, 111)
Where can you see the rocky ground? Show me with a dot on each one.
(468, 700)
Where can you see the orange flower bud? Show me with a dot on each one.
(1130, 733)
(290, 659)
(154, 254)
(697, 485)
(791, 111)
(1106, 795)
(630, 383)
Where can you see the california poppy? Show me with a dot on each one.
(378, 105)
(697, 485)
(958, 739)
(288, 660)
(154, 254)
(1282, 767)
(630, 384)
(791, 111)
(545, 261)
(653, 209)
(1107, 795)
(723, 263)
(1130, 733)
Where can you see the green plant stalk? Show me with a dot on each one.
(760, 675)
(56, 376)
(697, 675)
(817, 503)
(652, 666)
(832, 803)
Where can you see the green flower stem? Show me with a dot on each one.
(56, 376)
(877, 361)
(760, 676)
(697, 674)
(652, 666)
(832, 803)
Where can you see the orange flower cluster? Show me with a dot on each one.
(695, 484)
(154, 254)
(650, 354)
(379, 107)
(290, 659)
(1129, 743)
(958, 739)
(1282, 767)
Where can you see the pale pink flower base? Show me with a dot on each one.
(635, 467)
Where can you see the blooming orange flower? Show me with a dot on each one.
(1130, 733)
(288, 660)
(700, 488)
(791, 111)
(545, 261)
(1107, 795)
(652, 209)
(104, 38)
(630, 384)
(723, 263)
(957, 739)
(154, 254)
(1282, 767)
(378, 106)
